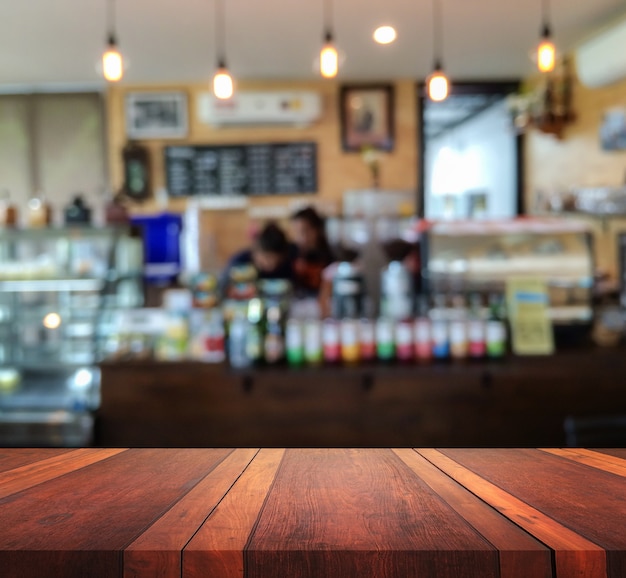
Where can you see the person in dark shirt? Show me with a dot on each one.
(270, 256)
(312, 252)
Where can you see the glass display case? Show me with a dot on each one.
(464, 257)
(59, 291)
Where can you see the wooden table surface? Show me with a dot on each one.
(518, 513)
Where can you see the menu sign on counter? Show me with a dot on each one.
(256, 169)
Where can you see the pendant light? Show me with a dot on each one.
(222, 81)
(112, 61)
(329, 57)
(437, 82)
(546, 52)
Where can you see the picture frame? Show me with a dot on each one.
(153, 115)
(367, 117)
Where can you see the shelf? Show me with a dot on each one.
(58, 285)
(69, 232)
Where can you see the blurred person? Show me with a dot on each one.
(311, 250)
(269, 255)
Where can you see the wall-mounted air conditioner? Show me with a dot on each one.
(298, 108)
(602, 59)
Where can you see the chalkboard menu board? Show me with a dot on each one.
(256, 169)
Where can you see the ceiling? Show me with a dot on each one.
(60, 41)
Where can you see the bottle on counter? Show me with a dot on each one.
(255, 336)
(294, 342)
(274, 342)
(331, 341)
(313, 342)
(208, 338)
(439, 328)
(476, 328)
(422, 338)
(367, 338)
(350, 342)
(348, 292)
(459, 346)
(495, 333)
(237, 341)
(385, 339)
(404, 340)
(397, 291)
(174, 343)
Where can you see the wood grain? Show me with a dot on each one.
(617, 452)
(10, 459)
(574, 554)
(357, 512)
(521, 555)
(158, 551)
(78, 524)
(248, 513)
(218, 546)
(30, 475)
(604, 462)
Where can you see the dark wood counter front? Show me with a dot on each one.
(509, 513)
(517, 402)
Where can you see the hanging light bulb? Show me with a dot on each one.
(546, 51)
(329, 57)
(223, 85)
(112, 61)
(437, 83)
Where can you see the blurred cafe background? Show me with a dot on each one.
(465, 163)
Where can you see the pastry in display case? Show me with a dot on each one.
(469, 257)
(59, 291)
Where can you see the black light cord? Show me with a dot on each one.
(546, 30)
(328, 20)
(220, 33)
(437, 34)
(111, 23)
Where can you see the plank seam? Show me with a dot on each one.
(182, 550)
(170, 506)
(552, 550)
(258, 518)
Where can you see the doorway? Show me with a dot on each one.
(471, 157)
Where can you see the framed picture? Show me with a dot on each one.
(156, 115)
(366, 113)
(613, 130)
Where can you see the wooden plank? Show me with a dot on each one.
(520, 555)
(610, 464)
(589, 501)
(79, 523)
(14, 458)
(218, 546)
(350, 512)
(574, 554)
(30, 475)
(158, 551)
(617, 452)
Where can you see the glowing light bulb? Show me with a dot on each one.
(52, 321)
(546, 55)
(329, 60)
(223, 84)
(385, 34)
(438, 86)
(112, 64)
